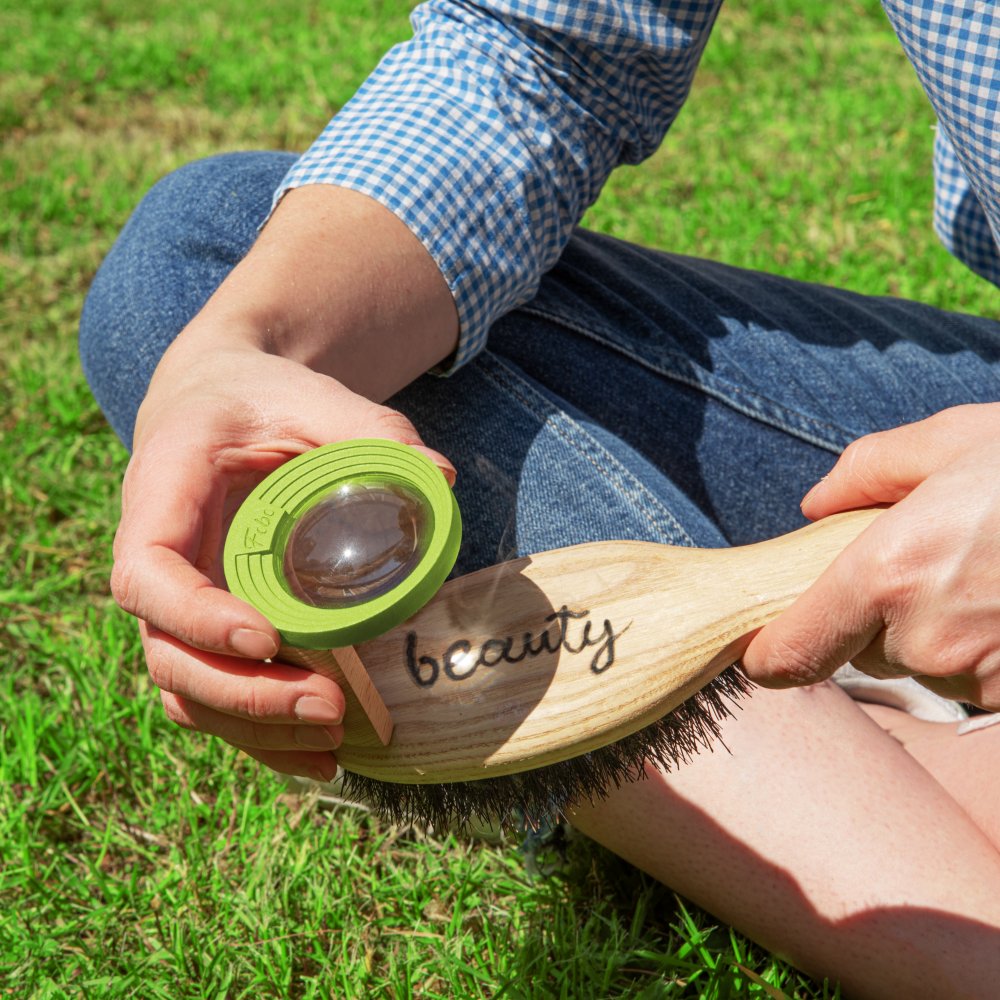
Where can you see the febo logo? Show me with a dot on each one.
(255, 535)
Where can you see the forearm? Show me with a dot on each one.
(334, 285)
(336, 282)
(493, 129)
(436, 199)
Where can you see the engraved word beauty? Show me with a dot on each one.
(461, 660)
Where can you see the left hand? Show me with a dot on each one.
(918, 593)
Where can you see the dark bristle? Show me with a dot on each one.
(532, 797)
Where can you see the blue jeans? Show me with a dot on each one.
(640, 394)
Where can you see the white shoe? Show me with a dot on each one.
(912, 697)
(899, 692)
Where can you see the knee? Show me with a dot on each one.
(213, 205)
(126, 322)
(185, 235)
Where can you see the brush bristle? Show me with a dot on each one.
(532, 797)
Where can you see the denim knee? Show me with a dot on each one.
(186, 234)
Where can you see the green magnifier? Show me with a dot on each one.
(344, 542)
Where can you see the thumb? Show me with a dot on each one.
(833, 620)
(328, 411)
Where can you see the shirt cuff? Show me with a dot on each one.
(489, 134)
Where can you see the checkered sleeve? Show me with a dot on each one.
(959, 219)
(492, 130)
(955, 49)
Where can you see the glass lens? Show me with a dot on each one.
(355, 544)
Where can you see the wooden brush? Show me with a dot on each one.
(537, 682)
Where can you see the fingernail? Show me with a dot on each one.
(312, 708)
(444, 466)
(317, 737)
(326, 771)
(813, 490)
(249, 642)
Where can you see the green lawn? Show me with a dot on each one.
(139, 860)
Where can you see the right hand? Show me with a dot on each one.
(219, 416)
(917, 594)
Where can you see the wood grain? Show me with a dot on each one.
(544, 658)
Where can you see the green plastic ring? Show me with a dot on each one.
(253, 558)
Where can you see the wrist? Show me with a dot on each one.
(337, 283)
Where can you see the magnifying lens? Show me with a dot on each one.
(344, 542)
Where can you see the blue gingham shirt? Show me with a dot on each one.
(492, 130)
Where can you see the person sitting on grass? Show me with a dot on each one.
(260, 304)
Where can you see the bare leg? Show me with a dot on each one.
(960, 763)
(824, 840)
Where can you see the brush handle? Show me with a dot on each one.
(544, 658)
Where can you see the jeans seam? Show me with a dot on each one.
(837, 439)
(569, 430)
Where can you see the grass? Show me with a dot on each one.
(137, 860)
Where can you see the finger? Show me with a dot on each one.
(447, 469)
(824, 628)
(172, 512)
(318, 766)
(243, 732)
(884, 467)
(268, 693)
(963, 688)
(325, 412)
(160, 587)
(382, 421)
(876, 661)
(876, 469)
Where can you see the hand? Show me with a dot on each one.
(918, 593)
(337, 304)
(213, 424)
(334, 284)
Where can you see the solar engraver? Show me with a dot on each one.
(517, 689)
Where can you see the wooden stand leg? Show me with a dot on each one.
(367, 714)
